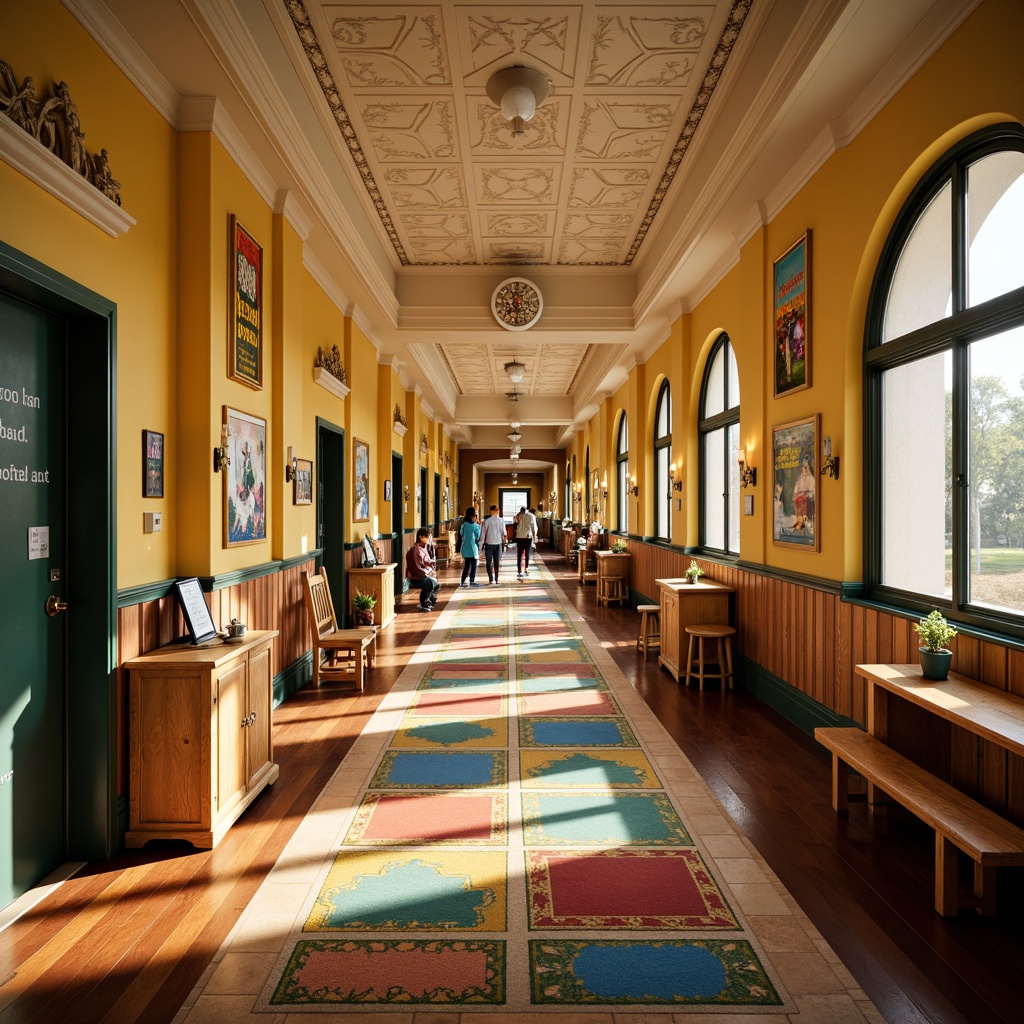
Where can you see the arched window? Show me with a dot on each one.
(944, 391)
(662, 459)
(622, 476)
(719, 433)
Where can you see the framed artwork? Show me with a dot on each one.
(792, 310)
(245, 311)
(152, 464)
(361, 458)
(245, 488)
(387, 490)
(302, 483)
(795, 521)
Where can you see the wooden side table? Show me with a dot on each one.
(378, 581)
(688, 604)
(612, 565)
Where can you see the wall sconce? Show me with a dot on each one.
(604, 487)
(405, 491)
(221, 460)
(830, 464)
(289, 469)
(632, 488)
(677, 485)
(748, 474)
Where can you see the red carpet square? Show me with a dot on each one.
(457, 705)
(471, 818)
(573, 702)
(625, 889)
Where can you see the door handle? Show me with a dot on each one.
(54, 606)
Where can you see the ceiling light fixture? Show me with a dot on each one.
(515, 371)
(514, 436)
(518, 92)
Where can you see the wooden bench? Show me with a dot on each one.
(959, 822)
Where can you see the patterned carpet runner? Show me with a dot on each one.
(515, 832)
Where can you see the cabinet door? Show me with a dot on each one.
(670, 629)
(258, 735)
(229, 780)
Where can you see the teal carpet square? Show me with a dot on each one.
(607, 819)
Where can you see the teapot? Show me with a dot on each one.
(235, 628)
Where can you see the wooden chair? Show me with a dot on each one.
(329, 641)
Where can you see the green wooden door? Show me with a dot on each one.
(32, 569)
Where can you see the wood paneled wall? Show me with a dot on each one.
(811, 639)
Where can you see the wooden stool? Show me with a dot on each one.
(650, 627)
(611, 588)
(721, 635)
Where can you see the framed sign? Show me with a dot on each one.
(361, 457)
(152, 464)
(302, 483)
(245, 489)
(792, 308)
(387, 490)
(194, 610)
(245, 315)
(795, 521)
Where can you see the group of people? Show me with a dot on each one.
(421, 567)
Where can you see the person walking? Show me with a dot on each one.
(493, 537)
(421, 570)
(526, 537)
(469, 538)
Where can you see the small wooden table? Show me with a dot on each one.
(688, 604)
(612, 565)
(379, 582)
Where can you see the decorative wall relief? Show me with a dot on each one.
(55, 124)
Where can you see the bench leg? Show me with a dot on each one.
(945, 876)
(357, 665)
(840, 785)
(985, 889)
(371, 652)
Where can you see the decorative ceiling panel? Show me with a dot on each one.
(480, 370)
(406, 84)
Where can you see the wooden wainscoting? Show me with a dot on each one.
(811, 639)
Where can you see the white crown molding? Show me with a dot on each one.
(311, 263)
(715, 274)
(288, 206)
(32, 159)
(109, 34)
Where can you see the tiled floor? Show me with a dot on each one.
(813, 983)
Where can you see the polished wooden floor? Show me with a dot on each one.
(127, 940)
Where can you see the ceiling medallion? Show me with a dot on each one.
(517, 304)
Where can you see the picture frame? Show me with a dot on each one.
(796, 519)
(194, 610)
(361, 479)
(152, 464)
(791, 304)
(245, 308)
(387, 490)
(302, 482)
(245, 488)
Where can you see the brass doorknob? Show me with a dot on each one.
(54, 606)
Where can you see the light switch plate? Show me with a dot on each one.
(152, 522)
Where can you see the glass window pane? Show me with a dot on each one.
(714, 393)
(996, 476)
(623, 446)
(734, 489)
(662, 492)
(916, 490)
(734, 378)
(622, 498)
(664, 422)
(921, 287)
(714, 486)
(995, 226)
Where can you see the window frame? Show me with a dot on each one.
(706, 425)
(661, 495)
(955, 333)
(622, 476)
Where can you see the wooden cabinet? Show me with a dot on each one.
(612, 564)
(687, 604)
(201, 746)
(379, 581)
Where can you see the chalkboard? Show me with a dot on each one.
(195, 610)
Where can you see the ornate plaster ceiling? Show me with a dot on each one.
(406, 84)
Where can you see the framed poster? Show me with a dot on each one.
(792, 309)
(152, 464)
(245, 489)
(795, 521)
(302, 483)
(245, 312)
(361, 457)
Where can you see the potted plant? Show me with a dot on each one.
(620, 547)
(694, 572)
(362, 605)
(935, 633)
